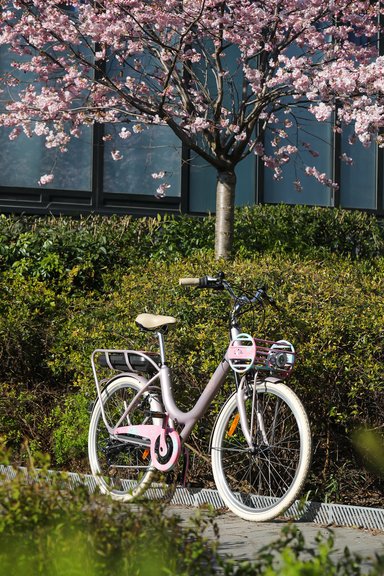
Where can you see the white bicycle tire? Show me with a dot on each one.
(123, 495)
(232, 498)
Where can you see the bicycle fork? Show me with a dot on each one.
(248, 423)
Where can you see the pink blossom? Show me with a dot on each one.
(199, 124)
(320, 177)
(161, 190)
(124, 133)
(241, 136)
(298, 186)
(347, 159)
(152, 66)
(15, 133)
(116, 155)
(259, 149)
(46, 179)
(321, 111)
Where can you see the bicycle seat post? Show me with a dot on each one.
(160, 336)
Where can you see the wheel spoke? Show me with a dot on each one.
(121, 466)
(256, 481)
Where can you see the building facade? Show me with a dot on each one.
(88, 179)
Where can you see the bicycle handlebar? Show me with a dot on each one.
(213, 282)
(219, 283)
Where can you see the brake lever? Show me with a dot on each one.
(261, 294)
(273, 303)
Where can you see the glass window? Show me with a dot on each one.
(154, 150)
(24, 160)
(358, 174)
(314, 141)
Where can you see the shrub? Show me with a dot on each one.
(29, 309)
(81, 253)
(51, 528)
(332, 311)
(307, 230)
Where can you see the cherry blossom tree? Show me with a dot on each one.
(222, 75)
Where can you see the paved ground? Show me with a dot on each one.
(242, 539)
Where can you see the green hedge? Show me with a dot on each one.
(308, 230)
(52, 319)
(81, 252)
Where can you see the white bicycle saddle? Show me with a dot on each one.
(154, 321)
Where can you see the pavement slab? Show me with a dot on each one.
(242, 540)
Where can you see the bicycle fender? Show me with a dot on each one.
(273, 380)
(134, 375)
(108, 381)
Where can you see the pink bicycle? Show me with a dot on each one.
(260, 445)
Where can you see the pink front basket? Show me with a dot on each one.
(242, 353)
(246, 352)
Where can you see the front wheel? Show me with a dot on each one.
(122, 467)
(261, 481)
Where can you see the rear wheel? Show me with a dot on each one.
(121, 466)
(260, 482)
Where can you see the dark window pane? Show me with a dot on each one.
(152, 151)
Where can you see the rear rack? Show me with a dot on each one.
(124, 361)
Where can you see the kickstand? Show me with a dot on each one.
(184, 472)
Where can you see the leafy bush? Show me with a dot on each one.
(307, 230)
(332, 311)
(81, 253)
(29, 310)
(52, 318)
(51, 528)
(74, 252)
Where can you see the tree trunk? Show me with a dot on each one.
(225, 208)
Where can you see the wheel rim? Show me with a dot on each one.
(261, 478)
(119, 468)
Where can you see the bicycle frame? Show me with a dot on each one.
(186, 419)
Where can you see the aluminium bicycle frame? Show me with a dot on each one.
(186, 419)
(163, 375)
